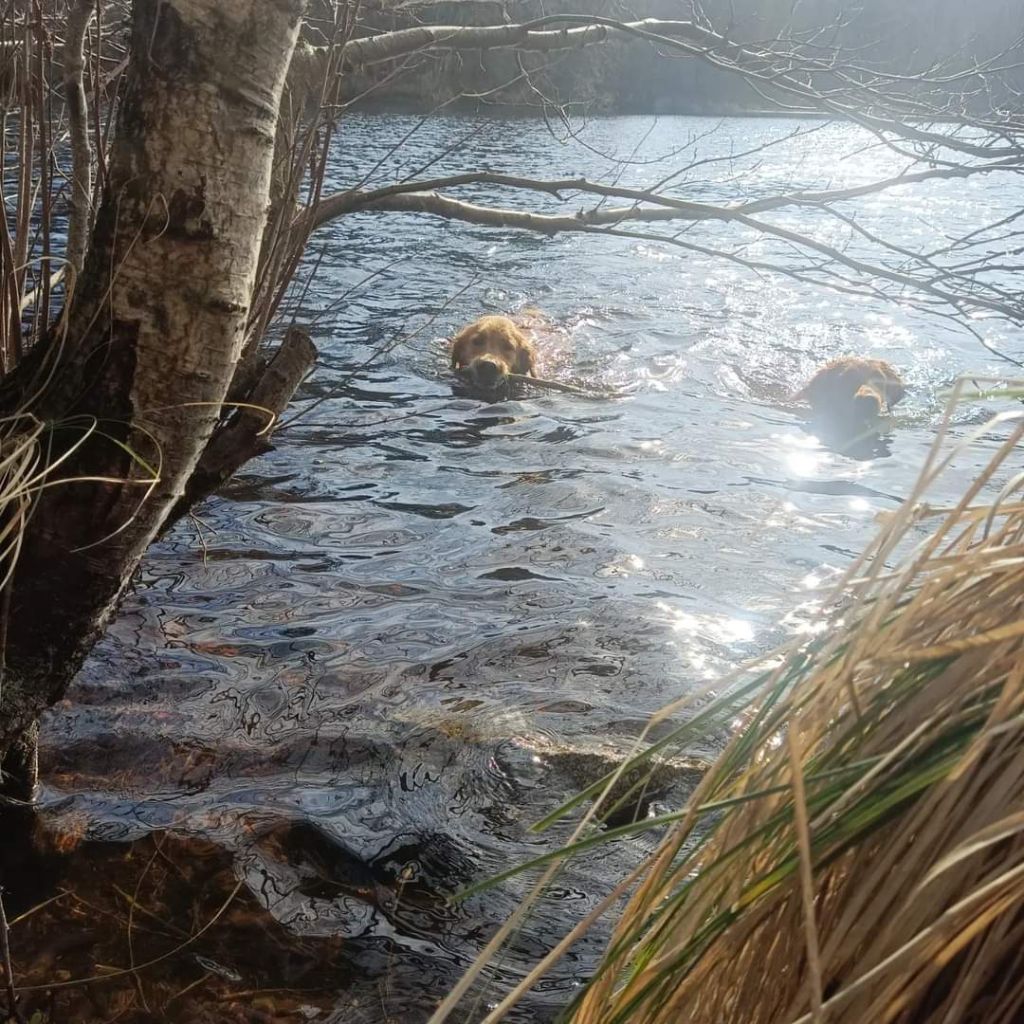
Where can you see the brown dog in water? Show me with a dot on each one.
(489, 349)
(852, 393)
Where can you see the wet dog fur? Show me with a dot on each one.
(852, 393)
(486, 351)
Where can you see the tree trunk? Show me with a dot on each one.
(248, 432)
(155, 326)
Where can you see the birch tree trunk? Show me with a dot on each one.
(155, 328)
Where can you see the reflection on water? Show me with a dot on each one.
(417, 625)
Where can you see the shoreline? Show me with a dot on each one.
(513, 112)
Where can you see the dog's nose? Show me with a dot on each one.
(486, 373)
(867, 404)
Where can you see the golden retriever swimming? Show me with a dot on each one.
(489, 349)
(852, 393)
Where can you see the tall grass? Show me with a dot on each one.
(856, 853)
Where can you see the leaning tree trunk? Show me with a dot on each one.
(154, 328)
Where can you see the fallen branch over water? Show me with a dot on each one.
(569, 389)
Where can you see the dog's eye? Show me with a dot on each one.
(477, 341)
(506, 346)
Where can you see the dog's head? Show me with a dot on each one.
(853, 392)
(878, 394)
(489, 349)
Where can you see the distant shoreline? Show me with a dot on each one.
(512, 110)
(516, 111)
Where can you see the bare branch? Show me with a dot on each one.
(524, 36)
(608, 220)
(332, 207)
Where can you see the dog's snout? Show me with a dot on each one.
(867, 404)
(486, 372)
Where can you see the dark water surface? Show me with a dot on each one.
(396, 630)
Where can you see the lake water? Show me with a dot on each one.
(389, 636)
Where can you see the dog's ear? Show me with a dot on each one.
(525, 358)
(460, 343)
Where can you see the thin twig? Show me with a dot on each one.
(121, 971)
(569, 389)
(5, 952)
